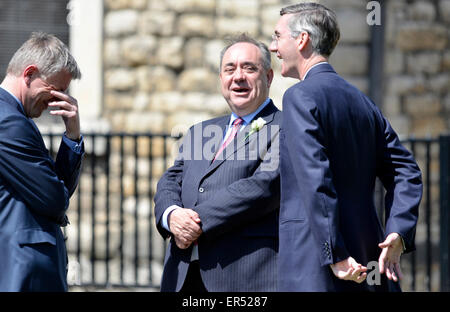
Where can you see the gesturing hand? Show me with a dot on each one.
(389, 260)
(349, 269)
(184, 223)
(68, 110)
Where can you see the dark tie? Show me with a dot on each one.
(236, 125)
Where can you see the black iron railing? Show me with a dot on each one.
(112, 239)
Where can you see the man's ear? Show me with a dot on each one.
(302, 41)
(29, 73)
(269, 77)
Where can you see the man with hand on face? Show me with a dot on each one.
(221, 208)
(334, 144)
(34, 189)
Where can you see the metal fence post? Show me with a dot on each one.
(444, 146)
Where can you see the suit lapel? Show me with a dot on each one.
(240, 141)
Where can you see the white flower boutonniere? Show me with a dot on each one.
(255, 126)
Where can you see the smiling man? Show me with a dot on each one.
(220, 212)
(34, 189)
(335, 143)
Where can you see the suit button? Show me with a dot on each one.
(201, 190)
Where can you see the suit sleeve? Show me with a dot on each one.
(306, 144)
(29, 171)
(168, 191)
(244, 200)
(401, 177)
(68, 162)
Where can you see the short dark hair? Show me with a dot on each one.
(318, 21)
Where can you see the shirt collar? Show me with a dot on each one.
(248, 118)
(312, 68)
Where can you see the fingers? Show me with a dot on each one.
(63, 96)
(349, 269)
(382, 259)
(68, 110)
(184, 225)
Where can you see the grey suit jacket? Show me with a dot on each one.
(237, 198)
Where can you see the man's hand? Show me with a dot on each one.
(184, 224)
(68, 110)
(350, 270)
(389, 260)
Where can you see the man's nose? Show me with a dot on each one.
(239, 75)
(273, 46)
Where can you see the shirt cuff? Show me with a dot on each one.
(403, 243)
(76, 146)
(165, 216)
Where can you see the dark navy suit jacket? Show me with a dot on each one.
(334, 144)
(34, 196)
(237, 198)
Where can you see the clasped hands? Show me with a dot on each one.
(184, 224)
(389, 262)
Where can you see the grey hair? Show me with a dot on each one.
(318, 21)
(265, 53)
(48, 53)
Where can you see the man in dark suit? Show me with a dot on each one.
(35, 190)
(334, 144)
(219, 205)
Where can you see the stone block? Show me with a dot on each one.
(422, 10)
(391, 105)
(270, 14)
(422, 36)
(120, 79)
(428, 126)
(405, 84)
(444, 10)
(231, 26)
(424, 62)
(155, 79)
(422, 105)
(203, 6)
(446, 61)
(439, 83)
(191, 25)
(170, 52)
(125, 4)
(198, 80)
(353, 25)
(194, 52)
(166, 102)
(144, 122)
(393, 61)
(212, 53)
(118, 101)
(122, 22)
(139, 50)
(157, 22)
(350, 59)
(235, 8)
(111, 53)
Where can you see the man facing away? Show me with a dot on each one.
(219, 202)
(34, 189)
(334, 144)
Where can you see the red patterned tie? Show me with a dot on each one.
(236, 125)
